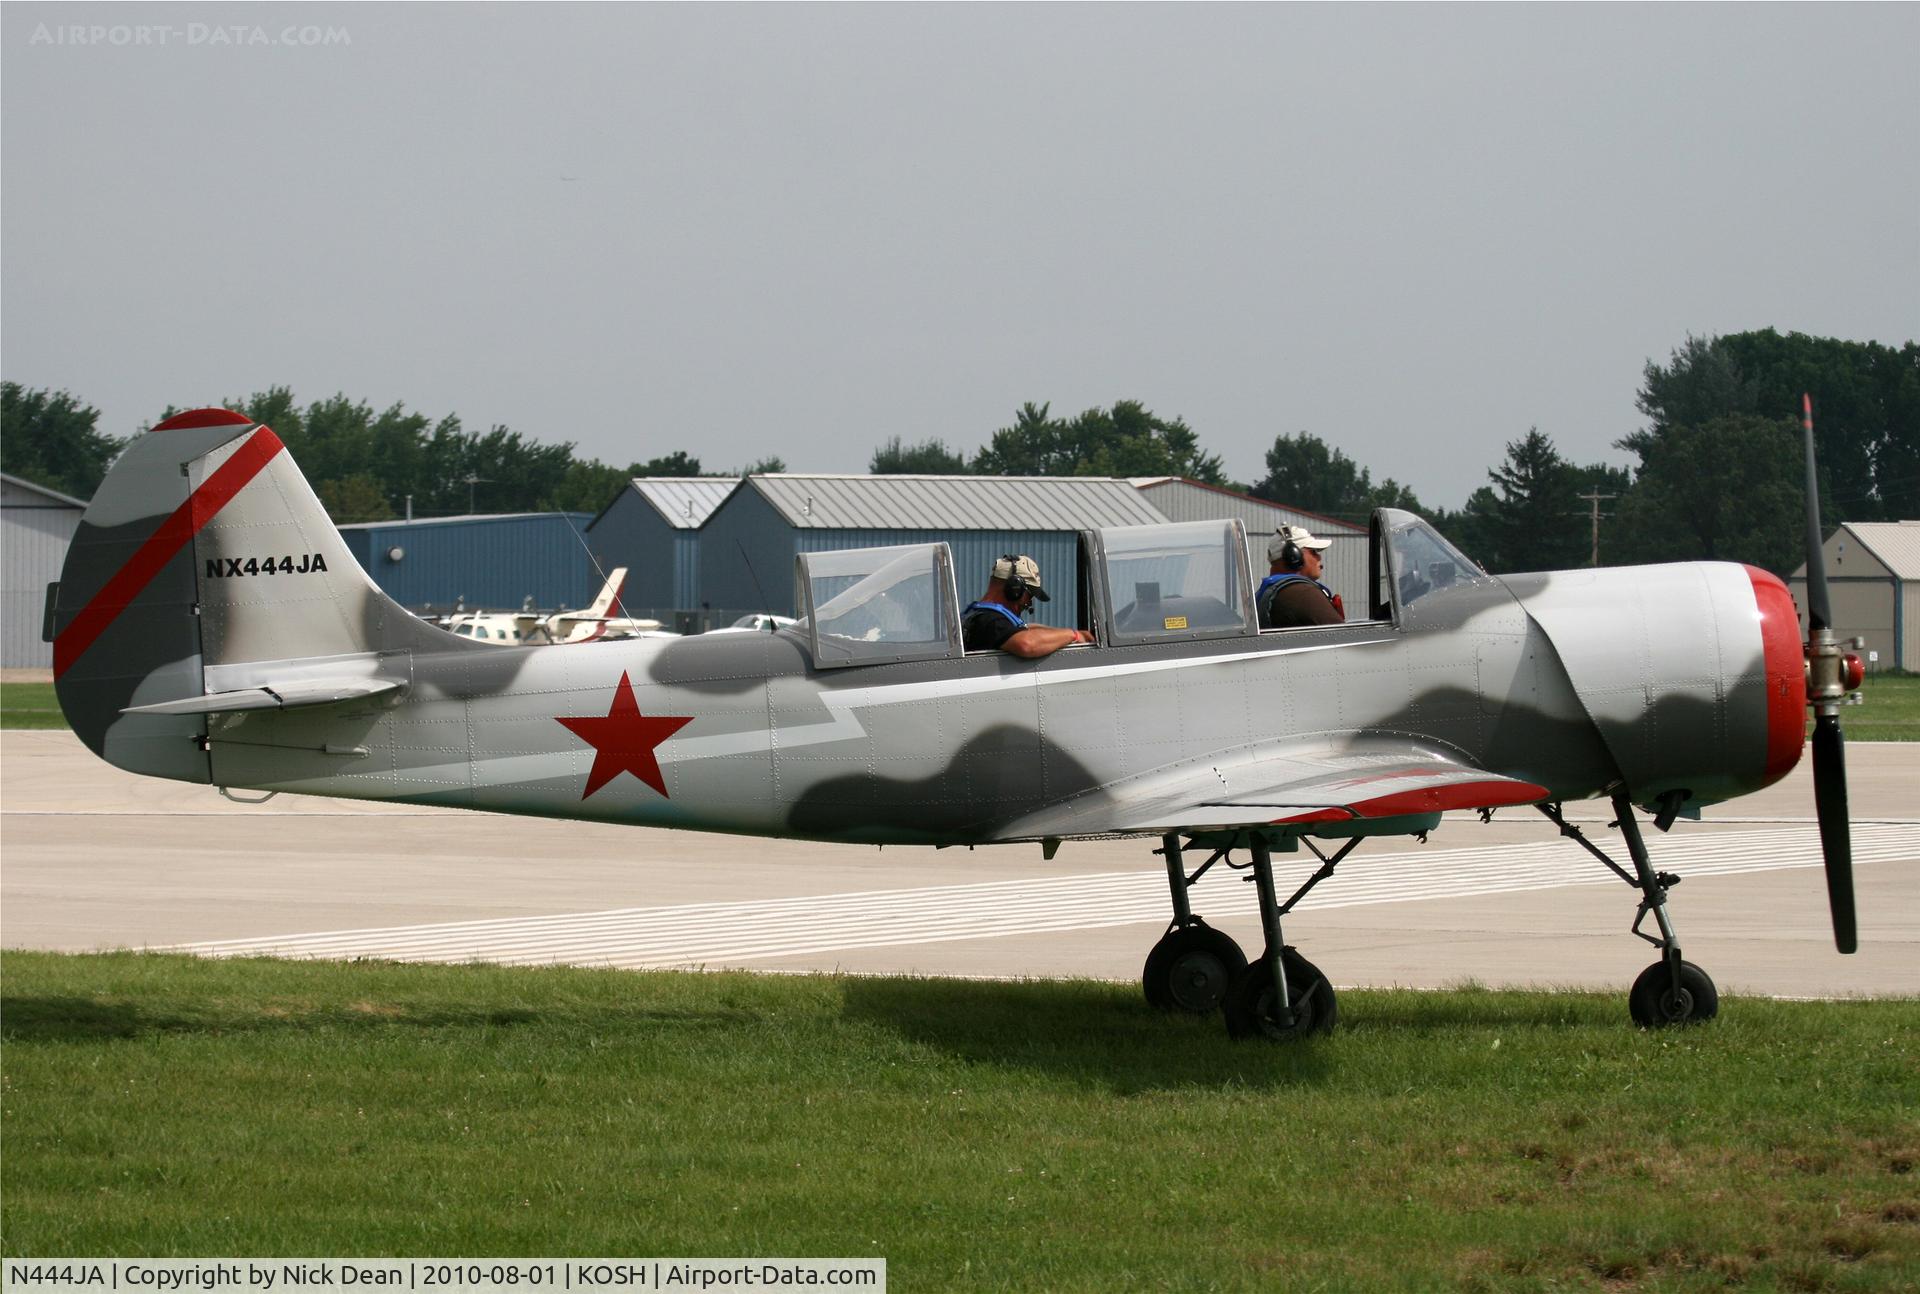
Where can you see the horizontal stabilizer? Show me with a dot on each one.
(285, 696)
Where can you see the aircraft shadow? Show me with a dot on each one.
(1080, 1030)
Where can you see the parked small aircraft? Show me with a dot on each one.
(210, 626)
(530, 628)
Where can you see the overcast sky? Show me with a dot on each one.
(746, 230)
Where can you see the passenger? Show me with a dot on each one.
(1293, 593)
(995, 620)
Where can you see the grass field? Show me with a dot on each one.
(1891, 711)
(29, 705)
(1027, 1136)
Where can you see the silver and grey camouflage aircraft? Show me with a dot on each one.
(211, 626)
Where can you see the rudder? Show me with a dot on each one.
(203, 548)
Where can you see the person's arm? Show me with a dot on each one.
(1036, 641)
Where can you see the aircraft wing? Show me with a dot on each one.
(278, 696)
(1315, 787)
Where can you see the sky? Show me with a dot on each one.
(747, 230)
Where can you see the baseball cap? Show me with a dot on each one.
(1024, 569)
(1299, 535)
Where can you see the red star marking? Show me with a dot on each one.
(623, 741)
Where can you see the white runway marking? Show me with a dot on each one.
(700, 934)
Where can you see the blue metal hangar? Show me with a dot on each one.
(36, 525)
(652, 528)
(489, 563)
(748, 545)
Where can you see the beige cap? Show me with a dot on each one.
(1297, 535)
(1024, 569)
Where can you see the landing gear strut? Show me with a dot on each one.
(1195, 968)
(1192, 965)
(1672, 990)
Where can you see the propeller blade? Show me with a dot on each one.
(1819, 610)
(1836, 840)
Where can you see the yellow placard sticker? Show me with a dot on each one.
(1174, 622)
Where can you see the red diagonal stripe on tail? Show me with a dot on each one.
(172, 535)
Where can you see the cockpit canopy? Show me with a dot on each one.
(1178, 582)
(868, 605)
(1174, 582)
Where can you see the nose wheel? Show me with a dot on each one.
(1671, 991)
(1659, 998)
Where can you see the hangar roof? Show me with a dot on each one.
(684, 501)
(1895, 543)
(821, 502)
(34, 487)
(452, 521)
(1183, 499)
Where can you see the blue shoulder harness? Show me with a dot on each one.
(1273, 582)
(994, 606)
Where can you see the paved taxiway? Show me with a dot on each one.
(91, 857)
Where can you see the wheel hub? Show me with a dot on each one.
(1198, 981)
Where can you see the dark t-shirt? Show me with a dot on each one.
(986, 625)
(1297, 601)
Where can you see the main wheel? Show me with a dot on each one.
(1655, 1001)
(1190, 968)
(1253, 1007)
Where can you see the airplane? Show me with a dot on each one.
(525, 628)
(756, 622)
(210, 626)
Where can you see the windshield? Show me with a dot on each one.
(1420, 561)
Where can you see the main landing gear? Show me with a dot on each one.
(1672, 990)
(1281, 995)
(1197, 969)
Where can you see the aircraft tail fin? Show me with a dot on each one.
(203, 548)
(608, 603)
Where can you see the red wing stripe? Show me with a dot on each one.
(1456, 795)
(1433, 799)
(173, 534)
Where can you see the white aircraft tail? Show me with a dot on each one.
(608, 603)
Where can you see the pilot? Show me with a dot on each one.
(1293, 593)
(996, 619)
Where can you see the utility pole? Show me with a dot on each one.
(1594, 500)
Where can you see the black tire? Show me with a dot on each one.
(1252, 1004)
(1656, 1003)
(1191, 969)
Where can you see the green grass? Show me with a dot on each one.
(1036, 1135)
(29, 705)
(1889, 710)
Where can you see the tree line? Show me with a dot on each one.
(1719, 472)
(365, 465)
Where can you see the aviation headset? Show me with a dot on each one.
(1015, 587)
(1290, 555)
